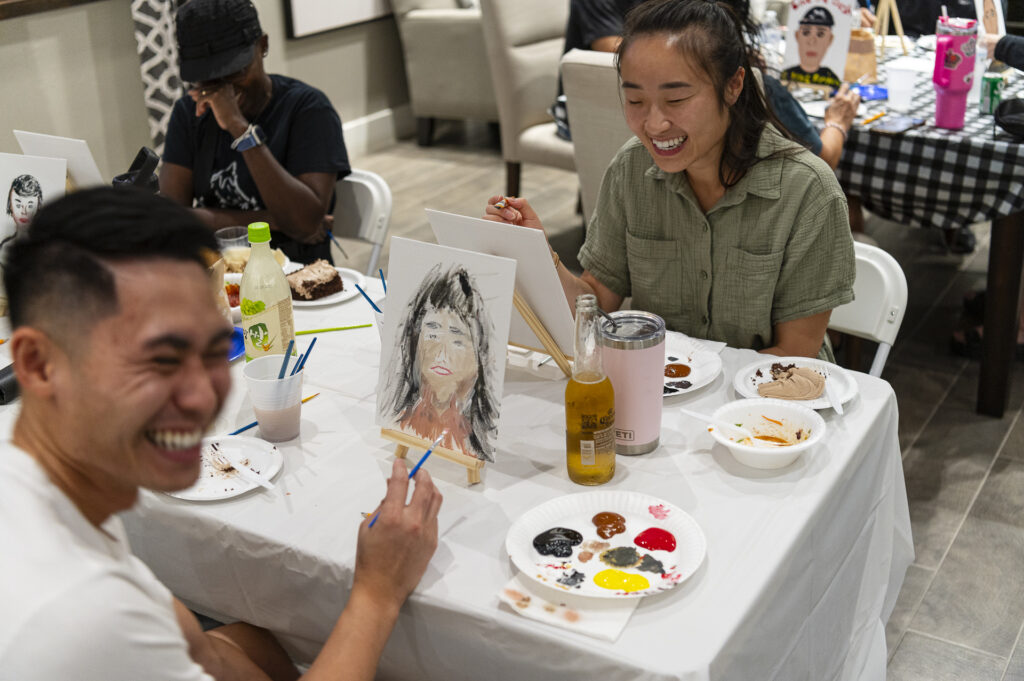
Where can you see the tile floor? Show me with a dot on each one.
(961, 610)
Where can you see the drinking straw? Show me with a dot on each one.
(330, 235)
(372, 304)
(302, 361)
(333, 328)
(287, 356)
(253, 424)
(417, 466)
(382, 282)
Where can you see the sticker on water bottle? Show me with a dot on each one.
(265, 329)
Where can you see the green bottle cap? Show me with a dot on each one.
(259, 233)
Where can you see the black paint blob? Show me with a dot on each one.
(649, 564)
(623, 556)
(558, 542)
(573, 578)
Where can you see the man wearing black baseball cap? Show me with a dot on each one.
(243, 145)
(813, 38)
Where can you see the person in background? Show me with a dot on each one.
(710, 217)
(117, 338)
(967, 341)
(244, 146)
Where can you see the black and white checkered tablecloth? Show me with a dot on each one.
(932, 177)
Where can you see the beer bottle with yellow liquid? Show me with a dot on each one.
(589, 404)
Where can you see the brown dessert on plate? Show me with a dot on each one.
(315, 281)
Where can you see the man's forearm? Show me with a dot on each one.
(354, 647)
(215, 218)
(294, 207)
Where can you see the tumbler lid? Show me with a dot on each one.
(632, 330)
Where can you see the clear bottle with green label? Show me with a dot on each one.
(266, 299)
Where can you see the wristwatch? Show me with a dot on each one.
(252, 137)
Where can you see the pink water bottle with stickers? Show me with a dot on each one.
(955, 43)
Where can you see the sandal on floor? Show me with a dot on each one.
(967, 343)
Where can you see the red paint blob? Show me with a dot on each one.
(656, 539)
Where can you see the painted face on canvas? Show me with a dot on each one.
(446, 355)
(812, 42)
(22, 208)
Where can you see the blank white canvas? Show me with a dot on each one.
(314, 16)
(536, 278)
(81, 165)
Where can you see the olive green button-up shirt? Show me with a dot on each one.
(776, 247)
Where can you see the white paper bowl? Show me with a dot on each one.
(748, 413)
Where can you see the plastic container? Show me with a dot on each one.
(955, 43)
(277, 402)
(265, 299)
(633, 353)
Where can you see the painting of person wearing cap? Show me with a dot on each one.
(247, 146)
(813, 38)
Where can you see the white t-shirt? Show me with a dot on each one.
(76, 603)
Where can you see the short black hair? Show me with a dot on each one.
(26, 186)
(57, 272)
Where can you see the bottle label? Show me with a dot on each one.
(604, 440)
(266, 330)
(587, 457)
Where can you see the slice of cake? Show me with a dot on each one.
(314, 281)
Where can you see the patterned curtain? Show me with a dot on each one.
(158, 58)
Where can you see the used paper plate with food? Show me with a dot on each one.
(235, 259)
(799, 379)
(607, 544)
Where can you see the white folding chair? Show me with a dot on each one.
(362, 210)
(880, 300)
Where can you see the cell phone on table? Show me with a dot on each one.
(894, 125)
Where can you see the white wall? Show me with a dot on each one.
(75, 72)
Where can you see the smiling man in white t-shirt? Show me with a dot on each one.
(121, 355)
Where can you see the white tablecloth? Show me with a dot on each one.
(802, 570)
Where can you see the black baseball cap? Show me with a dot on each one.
(818, 16)
(215, 38)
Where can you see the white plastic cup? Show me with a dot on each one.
(901, 89)
(277, 402)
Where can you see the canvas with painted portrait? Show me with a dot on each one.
(27, 183)
(817, 41)
(443, 344)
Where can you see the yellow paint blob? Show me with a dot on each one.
(620, 581)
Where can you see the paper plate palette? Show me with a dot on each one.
(657, 545)
(214, 484)
(749, 377)
(700, 366)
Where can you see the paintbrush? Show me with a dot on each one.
(372, 304)
(417, 466)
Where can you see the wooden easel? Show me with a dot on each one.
(887, 9)
(538, 328)
(406, 441)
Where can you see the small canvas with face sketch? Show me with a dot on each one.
(442, 364)
(817, 41)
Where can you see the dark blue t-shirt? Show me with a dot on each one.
(303, 133)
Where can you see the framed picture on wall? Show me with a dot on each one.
(307, 17)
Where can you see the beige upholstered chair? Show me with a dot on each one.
(445, 63)
(524, 43)
(598, 126)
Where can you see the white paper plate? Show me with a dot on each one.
(575, 511)
(214, 484)
(704, 368)
(350, 279)
(747, 379)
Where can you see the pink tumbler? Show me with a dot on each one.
(954, 69)
(633, 354)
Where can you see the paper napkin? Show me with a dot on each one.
(602, 618)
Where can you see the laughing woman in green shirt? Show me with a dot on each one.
(710, 217)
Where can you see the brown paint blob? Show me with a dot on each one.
(677, 370)
(609, 524)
